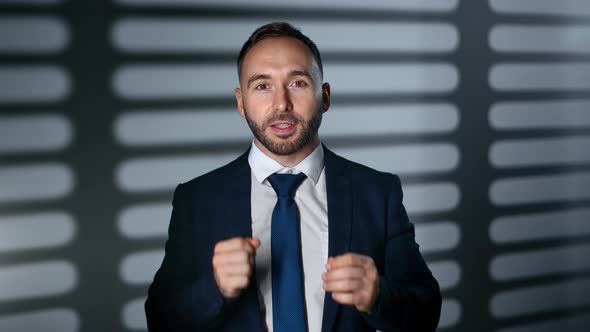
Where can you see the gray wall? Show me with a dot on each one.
(482, 107)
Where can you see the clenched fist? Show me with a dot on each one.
(233, 264)
(353, 280)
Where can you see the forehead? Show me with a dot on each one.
(276, 53)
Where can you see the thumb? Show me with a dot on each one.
(254, 242)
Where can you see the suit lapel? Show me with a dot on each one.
(238, 222)
(237, 201)
(338, 188)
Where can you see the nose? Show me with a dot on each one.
(282, 100)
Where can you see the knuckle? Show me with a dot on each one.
(358, 284)
(336, 296)
(239, 268)
(362, 274)
(220, 272)
(217, 260)
(245, 268)
(233, 284)
(242, 281)
(244, 244)
(374, 275)
(243, 256)
(230, 284)
(364, 294)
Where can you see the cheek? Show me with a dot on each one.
(306, 104)
(257, 101)
(256, 109)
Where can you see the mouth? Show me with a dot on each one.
(282, 128)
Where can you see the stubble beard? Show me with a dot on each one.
(283, 146)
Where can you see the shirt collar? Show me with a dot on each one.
(263, 166)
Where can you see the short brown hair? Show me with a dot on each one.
(278, 29)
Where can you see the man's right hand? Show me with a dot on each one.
(233, 264)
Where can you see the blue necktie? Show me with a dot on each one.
(288, 297)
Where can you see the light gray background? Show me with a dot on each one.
(482, 108)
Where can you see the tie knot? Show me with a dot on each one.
(285, 185)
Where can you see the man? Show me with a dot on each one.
(290, 236)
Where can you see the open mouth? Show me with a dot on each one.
(282, 128)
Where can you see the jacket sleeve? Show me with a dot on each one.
(409, 296)
(184, 295)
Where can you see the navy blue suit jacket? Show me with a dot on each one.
(365, 216)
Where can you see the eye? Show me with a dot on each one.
(261, 86)
(300, 84)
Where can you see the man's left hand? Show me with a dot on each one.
(353, 279)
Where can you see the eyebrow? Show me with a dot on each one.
(292, 73)
(300, 73)
(257, 77)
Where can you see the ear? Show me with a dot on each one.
(239, 101)
(325, 97)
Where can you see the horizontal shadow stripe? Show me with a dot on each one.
(437, 236)
(34, 280)
(447, 273)
(553, 114)
(431, 197)
(21, 183)
(139, 268)
(145, 220)
(540, 39)
(540, 189)
(40, 3)
(551, 76)
(541, 226)
(177, 81)
(150, 174)
(206, 35)
(33, 34)
(52, 319)
(535, 263)
(34, 133)
(578, 323)
(534, 299)
(571, 150)
(542, 7)
(41, 230)
(34, 84)
(133, 314)
(413, 5)
(406, 159)
(450, 314)
(152, 127)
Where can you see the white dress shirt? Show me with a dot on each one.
(312, 202)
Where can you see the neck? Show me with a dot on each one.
(293, 159)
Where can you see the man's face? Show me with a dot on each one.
(281, 95)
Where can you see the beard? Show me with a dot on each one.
(282, 146)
